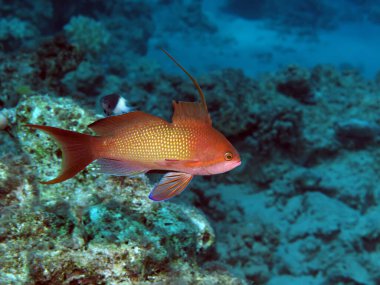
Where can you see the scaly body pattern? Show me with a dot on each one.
(138, 142)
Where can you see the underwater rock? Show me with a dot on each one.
(85, 81)
(307, 181)
(110, 242)
(93, 228)
(87, 34)
(327, 242)
(8, 141)
(313, 207)
(295, 82)
(349, 271)
(37, 13)
(363, 268)
(296, 280)
(15, 181)
(338, 82)
(247, 248)
(14, 33)
(349, 179)
(303, 208)
(310, 218)
(55, 58)
(59, 112)
(17, 78)
(278, 129)
(356, 133)
(306, 190)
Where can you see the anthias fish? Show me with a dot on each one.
(138, 142)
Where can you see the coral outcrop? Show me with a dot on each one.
(303, 208)
(307, 216)
(87, 34)
(14, 31)
(94, 228)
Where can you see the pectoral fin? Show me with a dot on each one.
(172, 184)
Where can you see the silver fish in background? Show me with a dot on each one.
(5, 123)
(356, 132)
(114, 104)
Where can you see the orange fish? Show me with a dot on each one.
(137, 142)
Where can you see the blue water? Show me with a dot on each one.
(293, 85)
(263, 44)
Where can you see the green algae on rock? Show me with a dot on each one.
(92, 229)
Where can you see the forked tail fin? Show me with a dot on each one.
(76, 151)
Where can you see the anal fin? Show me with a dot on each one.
(172, 184)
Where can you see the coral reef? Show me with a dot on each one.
(356, 133)
(35, 13)
(18, 74)
(299, 165)
(296, 83)
(14, 32)
(55, 59)
(306, 216)
(95, 228)
(87, 34)
(303, 208)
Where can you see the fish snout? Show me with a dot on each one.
(237, 163)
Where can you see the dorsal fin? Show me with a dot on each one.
(109, 125)
(190, 111)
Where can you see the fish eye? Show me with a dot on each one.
(228, 156)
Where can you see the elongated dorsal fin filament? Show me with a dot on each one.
(203, 100)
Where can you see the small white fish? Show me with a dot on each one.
(114, 104)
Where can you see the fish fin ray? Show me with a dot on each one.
(190, 111)
(170, 185)
(119, 167)
(109, 125)
(76, 151)
(195, 82)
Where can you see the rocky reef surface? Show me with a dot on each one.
(303, 208)
(94, 229)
